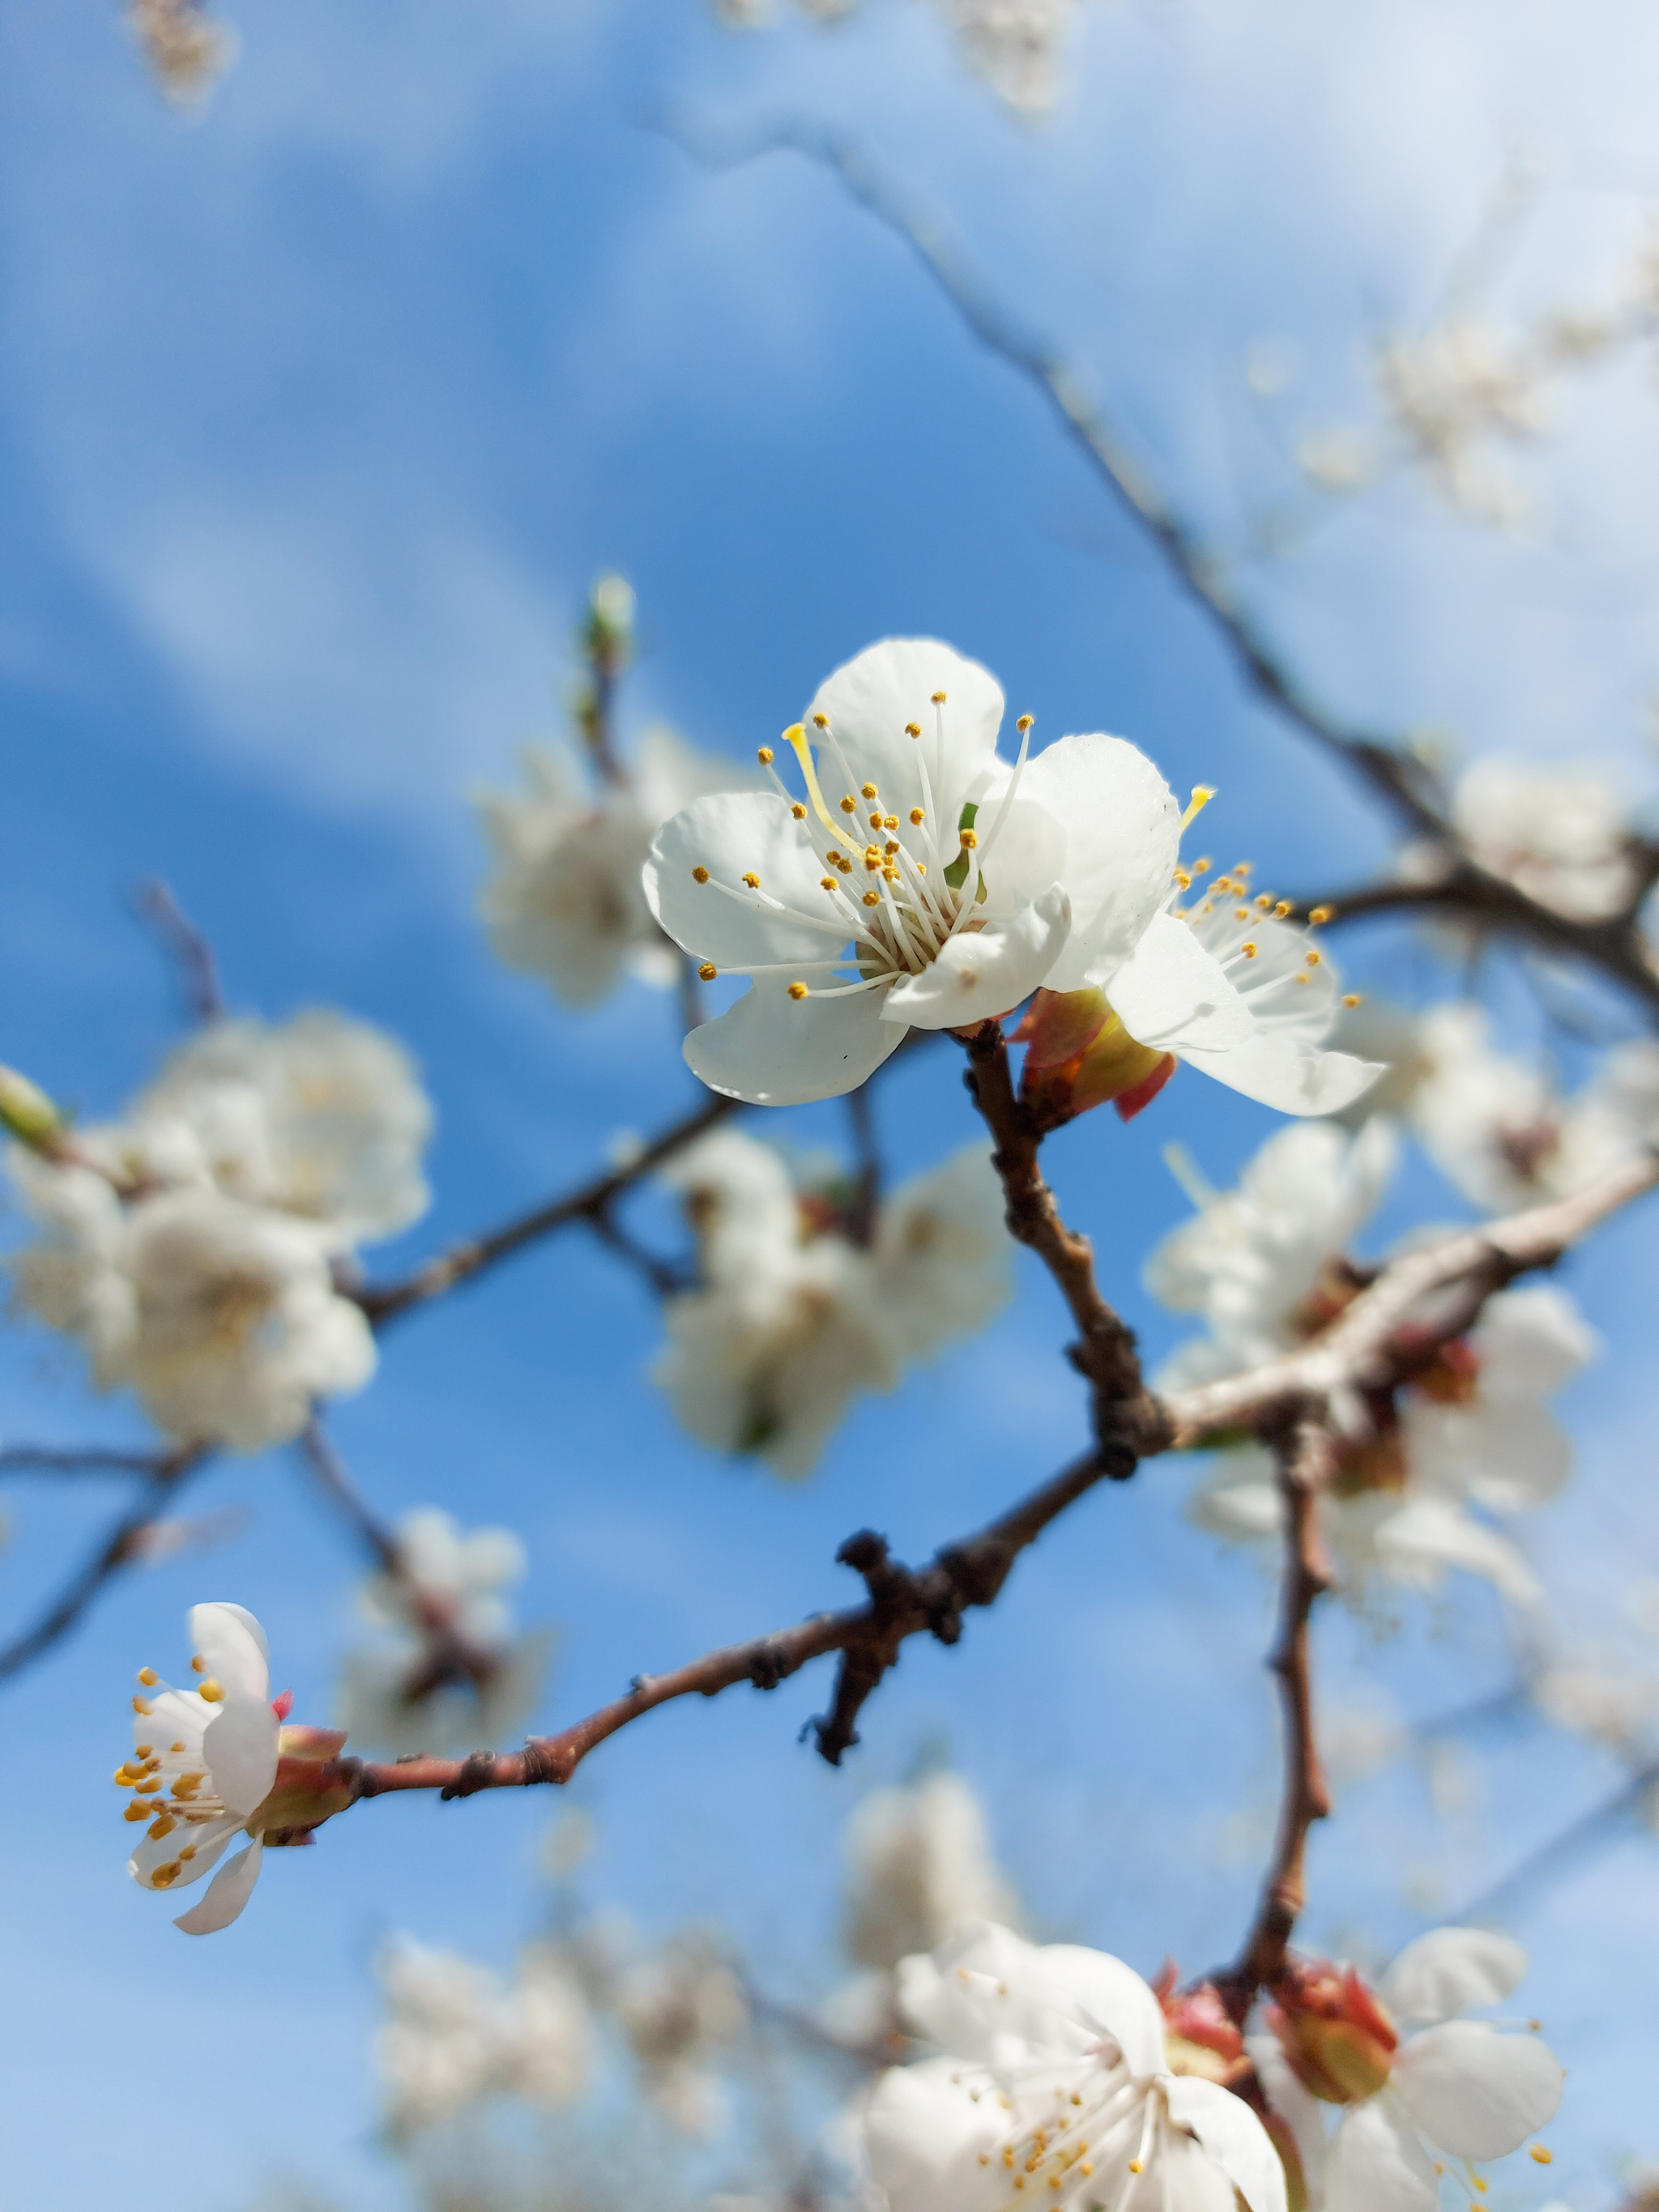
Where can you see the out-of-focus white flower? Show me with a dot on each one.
(1337, 459)
(213, 1762)
(187, 50)
(224, 1317)
(1457, 2088)
(1449, 392)
(321, 1116)
(922, 1869)
(1559, 834)
(793, 1319)
(1500, 1132)
(1597, 1694)
(451, 1675)
(1017, 46)
(455, 2033)
(1054, 2072)
(563, 900)
(679, 2007)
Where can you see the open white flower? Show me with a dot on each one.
(1455, 2088)
(455, 2033)
(922, 1869)
(679, 2007)
(321, 1116)
(1560, 833)
(213, 1762)
(1054, 2078)
(563, 900)
(930, 884)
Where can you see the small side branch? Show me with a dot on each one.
(198, 970)
(78, 1459)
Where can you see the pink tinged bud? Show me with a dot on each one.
(309, 1787)
(1200, 2037)
(1079, 1055)
(1339, 2040)
(283, 1706)
(1061, 1025)
(300, 1742)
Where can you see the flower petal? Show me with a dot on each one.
(1508, 1456)
(1474, 2092)
(982, 972)
(1429, 1534)
(1232, 2135)
(1531, 1341)
(1123, 827)
(925, 2139)
(732, 835)
(1452, 1970)
(232, 1643)
(241, 1746)
(209, 1841)
(1378, 2165)
(227, 1892)
(1296, 1078)
(870, 699)
(774, 1050)
(1171, 994)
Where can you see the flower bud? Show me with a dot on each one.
(27, 1111)
(1079, 1054)
(309, 1787)
(1338, 2039)
(1199, 2035)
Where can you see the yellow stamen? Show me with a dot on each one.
(872, 898)
(1540, 2156)
(913, 729)
(1241, 914)
(175, 1746)
(163, 1824)
(764, 755)
(1322, 914)
(212, 1691)
(798, 990)
(151, 1781)
(148, 1677)
(1312, 959)
(876, 819)
(868, 789)
(820, 721)
(1023, 724)
(134, 1811)
(1248, 951)
(917, 818)
(798, 810)
(1282, 908)
(708, 971)
(198, 1665)
(889, 821)
(938, 698)
(827, 882)
(1202, 867)
(142, 1705)
(1264, 903)
(143, 1750)
(700, 875)
(1134, 2166)
(969, 838)
(165, 1876)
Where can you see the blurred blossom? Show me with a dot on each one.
(563, 899)
(1418, 1466)
(1562, 834)
(1016, 47)
(794, 1317)
(159, 1541)
(1598, 1695)
(1336, 459)
(1054, 2064)
(1356, 1739)
(187, 50)
(451, 1674)
(679, 2007)
(1451, 391)
(920, 1863)
(454, 2034)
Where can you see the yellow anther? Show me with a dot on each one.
(1311, 959)
(1282, 908)
(827, 882)
(984, 2158)
(1322, 913)
(1264, 903)
(1202, 867)
(843, 864)
(877, 819)
(1248, 949)
(820, 721)
(798, 990)
(889, 821)
(1085, 2169)
(913, 729)
(165, 1876)
(1134, 2166)
(1352, 998)
(1244, 867)
(891, 846)
(151, 1781)
(198, 1665)
(917, 818)
(1076, 2100)
(938, 698)
(176, 1746)
(849, 804)
(873, 858)
(134, 1811)
(1302, 976)
(700, 875)
(1023, 724)
(891, 874)
(1054, 2181)
(148, 1677)
(764, 755)
(969, 838)
(188, 1852)
(872, 898)
(142, 1705)
(143, 1751)
(868, 789)
(1540, 2156)
(921, 867)
(752, 879)
(1008, 2155)
(798, 810)
(1183, 879)
(212, 1691)
(1477, 2183)
(162, 1825)
(122, 1779)
(1241, 914)
(708, 971)
(1019, 2181)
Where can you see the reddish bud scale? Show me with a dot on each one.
(1079, 1055)
(1334, 2033)
(1199, 2035)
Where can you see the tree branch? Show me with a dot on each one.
(198, 970)
(78, 1459)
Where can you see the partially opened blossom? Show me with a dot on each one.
(450, 1673)
(1053, 2080)
(921, 881)
(1447, 2088)
(215, 1762)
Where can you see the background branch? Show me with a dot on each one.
(198, 970)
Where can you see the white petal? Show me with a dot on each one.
(1452, 1970)
(1181, 2174)
(870, 699)
(1123, 827)
(1027, 855)
(734, 835)
(232, 1643)
(239, 1745)
(1232, 2135)
(1429, 1534)
(1531, 1341)
(774, 1050)
(1378, 2165)
(1171, 994)
(1300, 2110)
(1509, 1456)
(227, 1892)
(1474, 2092)
(209, 1841)
(1281, 1073)
(982, 972)
(925, 2137)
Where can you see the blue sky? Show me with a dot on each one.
(316, 416)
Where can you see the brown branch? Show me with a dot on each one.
(589, 1202)
(1127, 1422)
(1305, 1457)
(110, 1556)
(78, 1459)
(198, 970)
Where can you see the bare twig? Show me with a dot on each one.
(861, 1219)
(78, 1459)
(1304, 1455)
(1580, 1835)
(328, 1467)
(198, 970)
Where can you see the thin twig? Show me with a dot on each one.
(1558, 1850)
(198, 970)
(78, 1459)
(860, 1218)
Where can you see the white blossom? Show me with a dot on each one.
(451, 1674)
(1452, 2088)
(1017, 46)
(793, 1318)
(454, 2033)
(187, 50)
(922, 1867)
(322, 1117)
(563, 900)
(1559, 834)
(1067, 885)
(1450, 392)
(1054, 2069)
(679, 2007)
